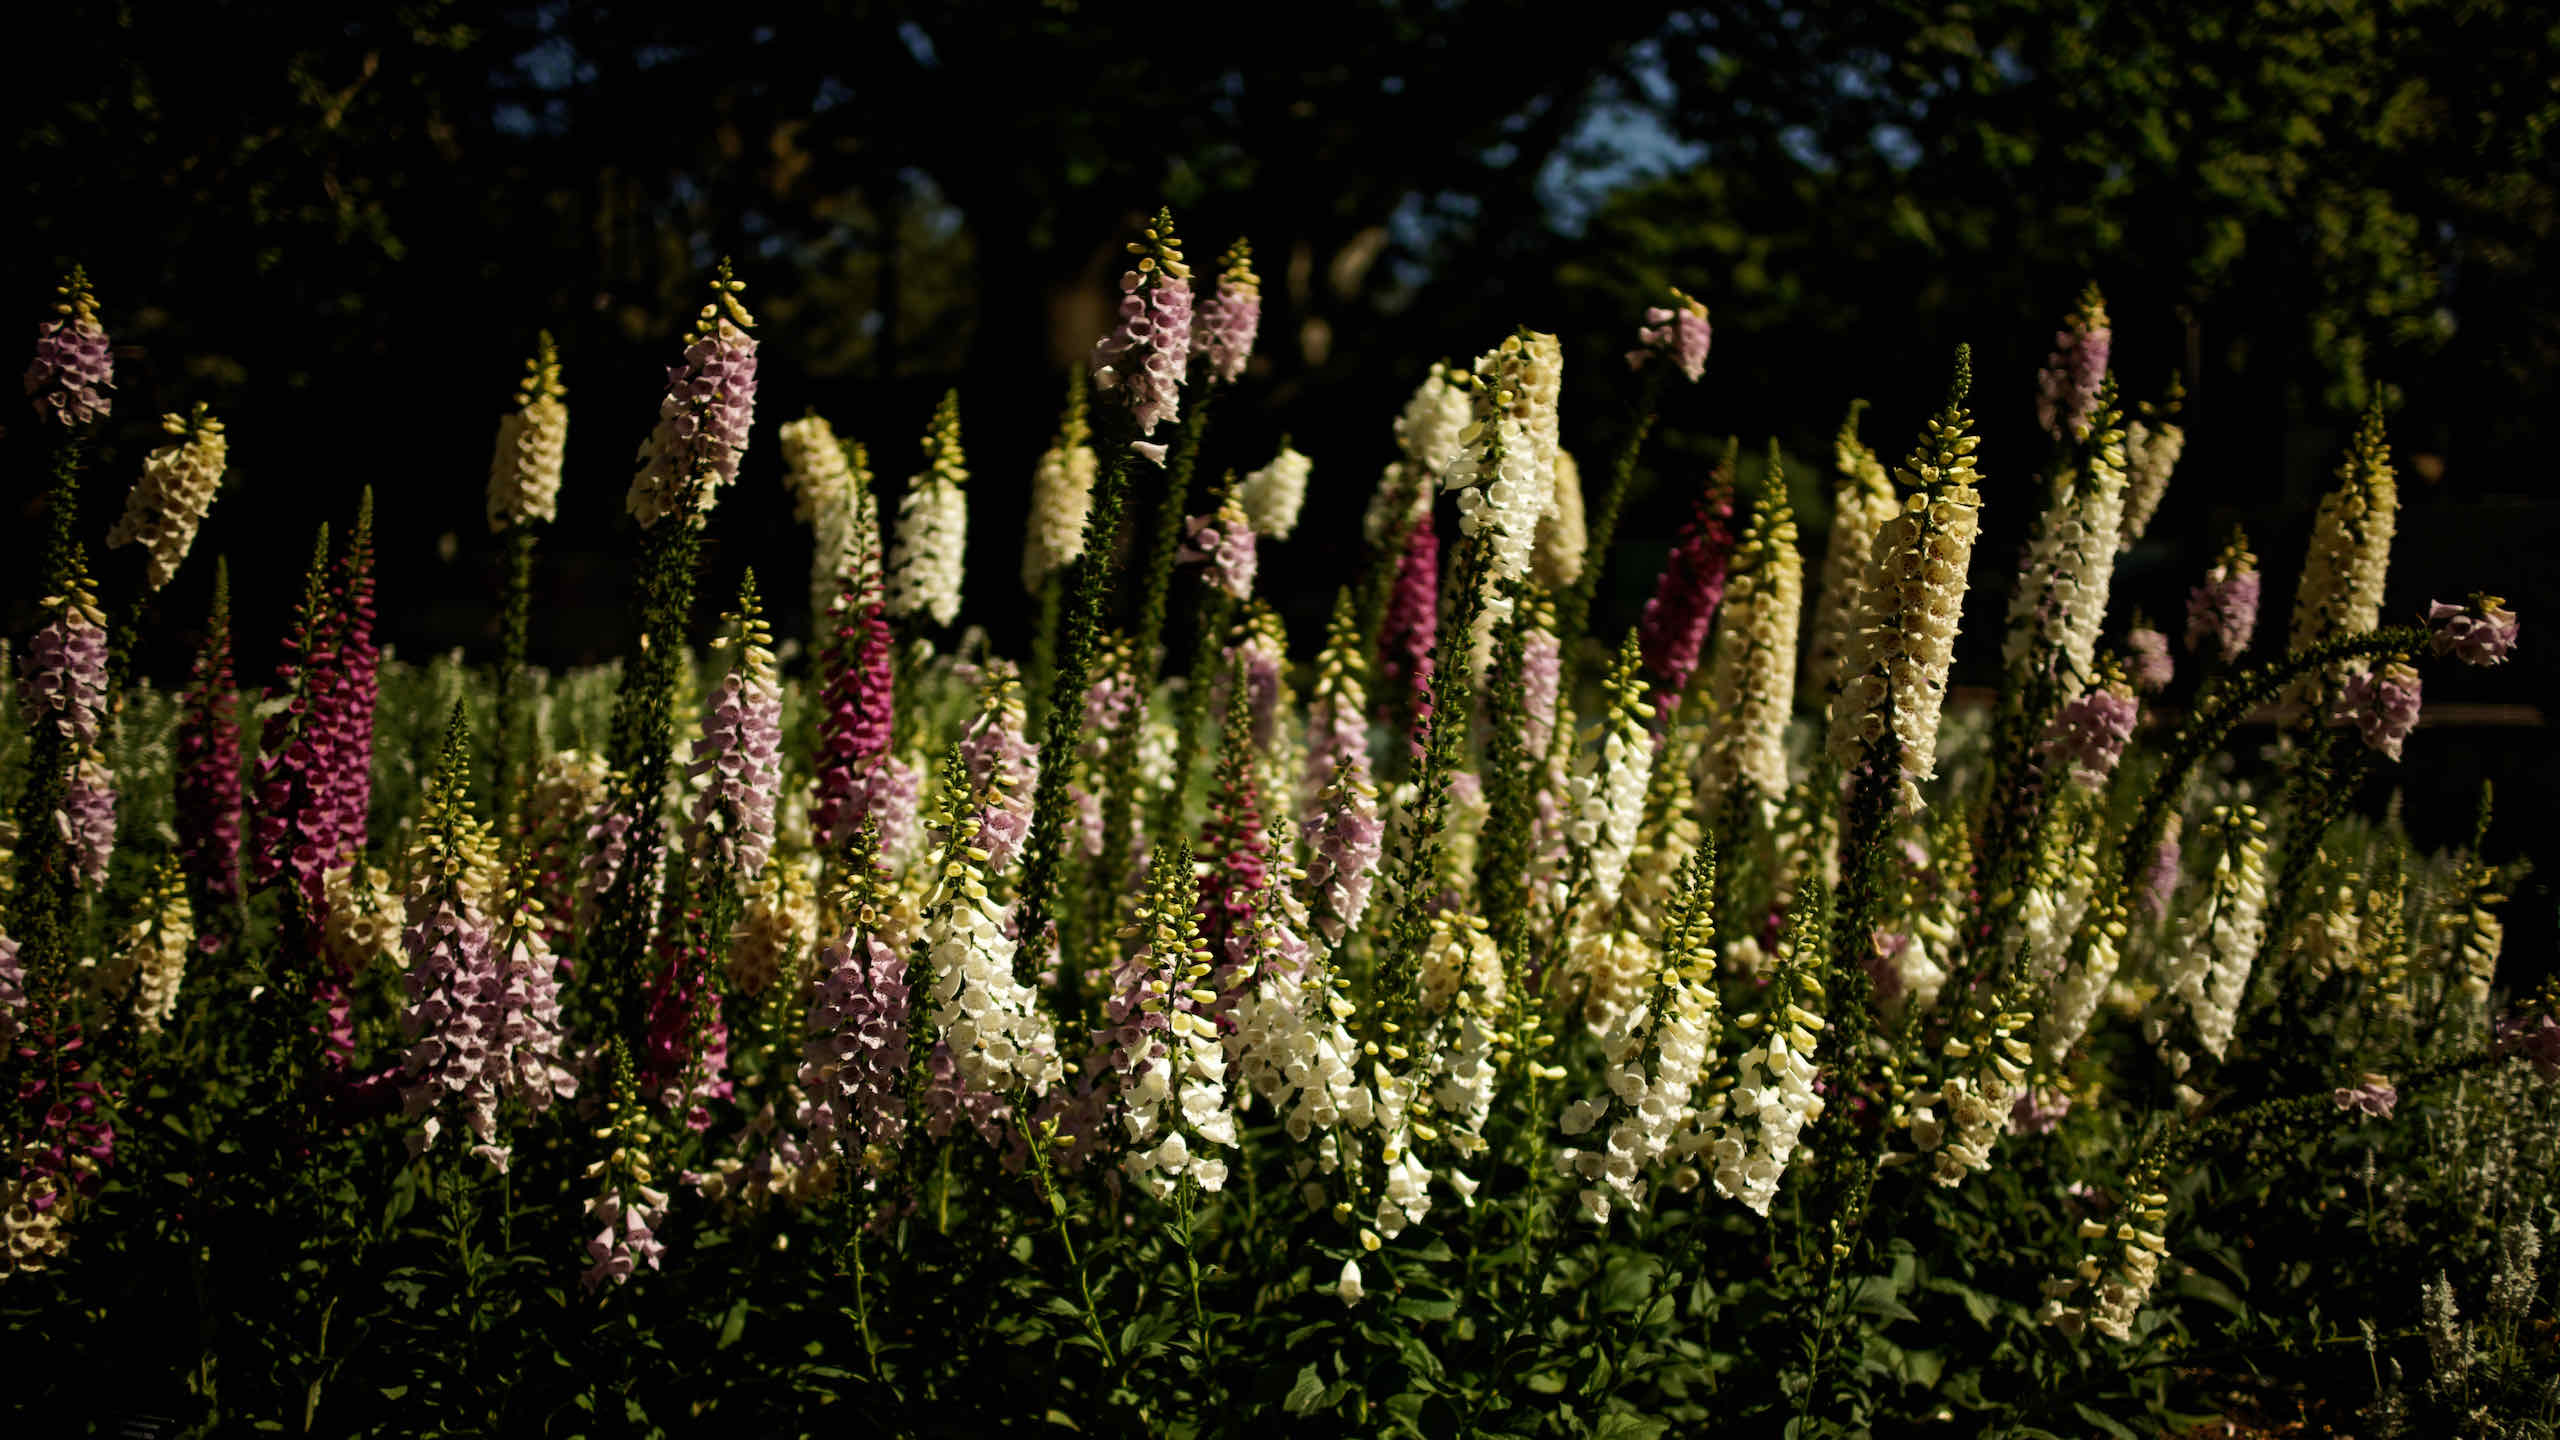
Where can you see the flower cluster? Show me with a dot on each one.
(2088, 735)
(1223, 543)
(2480, 633)
(1505, 471)
(854, 1058)
(2341, 589)
(2067, 386)
(73, 366)
(176, 489)
(1677, 332)
(455, 986)
(1862, 501)
(1607, 802)
(1142, 359)
(2223, 611)
(741, 749)
(830, 486)
(1773, 1098)
(2382, 704)
(1161, 1044)
(1676, 620)
(1655, 1058)
(2061, 599)
(1222, 332)
(2119, 1282)
(991, 1021)
(703, 419)
(1751, 678)
(2152, 446)
(1061, 493)
(933, 525)
(1274, 494)
(533, 438)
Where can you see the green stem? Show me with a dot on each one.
(514, 626)
(1604, 517)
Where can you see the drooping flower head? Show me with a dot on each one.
(704, 417)
(1141, 362)
(177, 486)
(1061, 493)
(2480, 633)
(2223, 611)
(208, 757)
(1685, 596)
(533, 438)
(1223, 542)
(1274, 494)
(1223, 331)
(741, 747)
(2383, 704)
(2067, 386)
(1677, 332)
(73, 366)
(1913, 598)
(933, 525)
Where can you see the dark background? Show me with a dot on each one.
(343, 232)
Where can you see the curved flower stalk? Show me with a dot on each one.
(2061, 598)
(1862, 501)
(1223, 330)
(2067, 386)
(1753, 672)
(776, 926)
(933, 526)
(1141, 362)
(177, 487)
(1773, 1097)
(455, 1060)
(741, 749)
(1608, 800)
(2122, 1267)
(995, 745)
(2223, 611)
(854, 1059)
(208, 758)
(2210, 961)
(1690, 588)
(2482, 632)
(1505, 470)
(533, 439)
(1894, 676)
(2097, 948)
(1223, 544)
(1678, 333)
(1161, 1044)
(289, 828)
(1061, 494)
(2152, 446)
(704, 417)
(1654, 1059)
(629, 1208)
(1274, 494)
(154, 953)
(73, 366)
(998, 1039)
(1564, 535)
(2350, 553)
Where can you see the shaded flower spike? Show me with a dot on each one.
(2480, 633)
(1140, 363)
(1061, 493)
(2152, 445)
(704, 416)
(2383, 704)
(454, 986)
(208, 757)
(854, 1059)
(2089, 734)
(2147, 659)
(2223, 611)
(1685, 596)
(533, 438)
(73, 365)
(2067, 386)
(1753, 675)
(1274, 494)
(176, 489)
(2350, 551)
(1224, 330)
(2372, 1095)
(831, 494)
(1505, 471)
(933, 525)
(741, 747)
(1862, 500)
(1224, 542)
(1677, 332)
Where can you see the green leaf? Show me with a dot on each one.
(1305, 1396)
(1976, 1304)
(1625, 1425)
(2104, 1422)
(2211, 1291)
(734, 1326)
(1875, 1296)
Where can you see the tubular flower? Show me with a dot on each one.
(1274, 494)
(1161, 1044)
(2067, 386)
(351, 687)
(2088, 735)
(704, 417)
(1862, 502)
(1690, 588)
(629, 1208)
(994, 745)
(1223, 543)
(1655, 1057)
(2480, 633)
(290, 829)
(2061, 598)
(454, 982)
(1338, 714)
(73, 366)
(1222, 332)
(933, 525)
(2147, 657)
(1432, 426)
(1505, 471)
(1235, 850)
(1141, 361)
(1678, 333)
(155, 950)
(2152, 446)
(2097, 950)
(208, 759)
(87, 819)
(1773, 1097)
(65, 673)
(2341, 591)
(1061, 493)
(829, 497)
(2383, 704)
(1464, 995)
(533, 438)
(1912, 600)
(1607, 802)
(568, 787)
(2224, 609)
(854, 1060)
(1752, 677)
(527, 1035)
(1344, 845)
(991, 1021)
(776, 926)
(176, 489)
(1563, 535)
(1411, 638)
(2373, 1096)
(741, 750)
(1987, 1075)
(859, 719)
(2120, 1277)
(1292, 1045)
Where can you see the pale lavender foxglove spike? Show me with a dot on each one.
(854, 1061)
(741, 751)
(2383, 704)
(1224, 329)
(1224, 543)
(451, 1022)
(2223, 612)
(87, 820)
(74, 366)
(1678, 333)
(1344, 846)
(2147, 659)
(2481, 633)
(2067, 387)
(2373, 1096)
(2090, 733)
(704, 416)
(2160, 878)
(1541, 679)
(1141, 361)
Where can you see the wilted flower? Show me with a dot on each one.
(2480, 633)
(2373, 1095)
(2383, 704)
